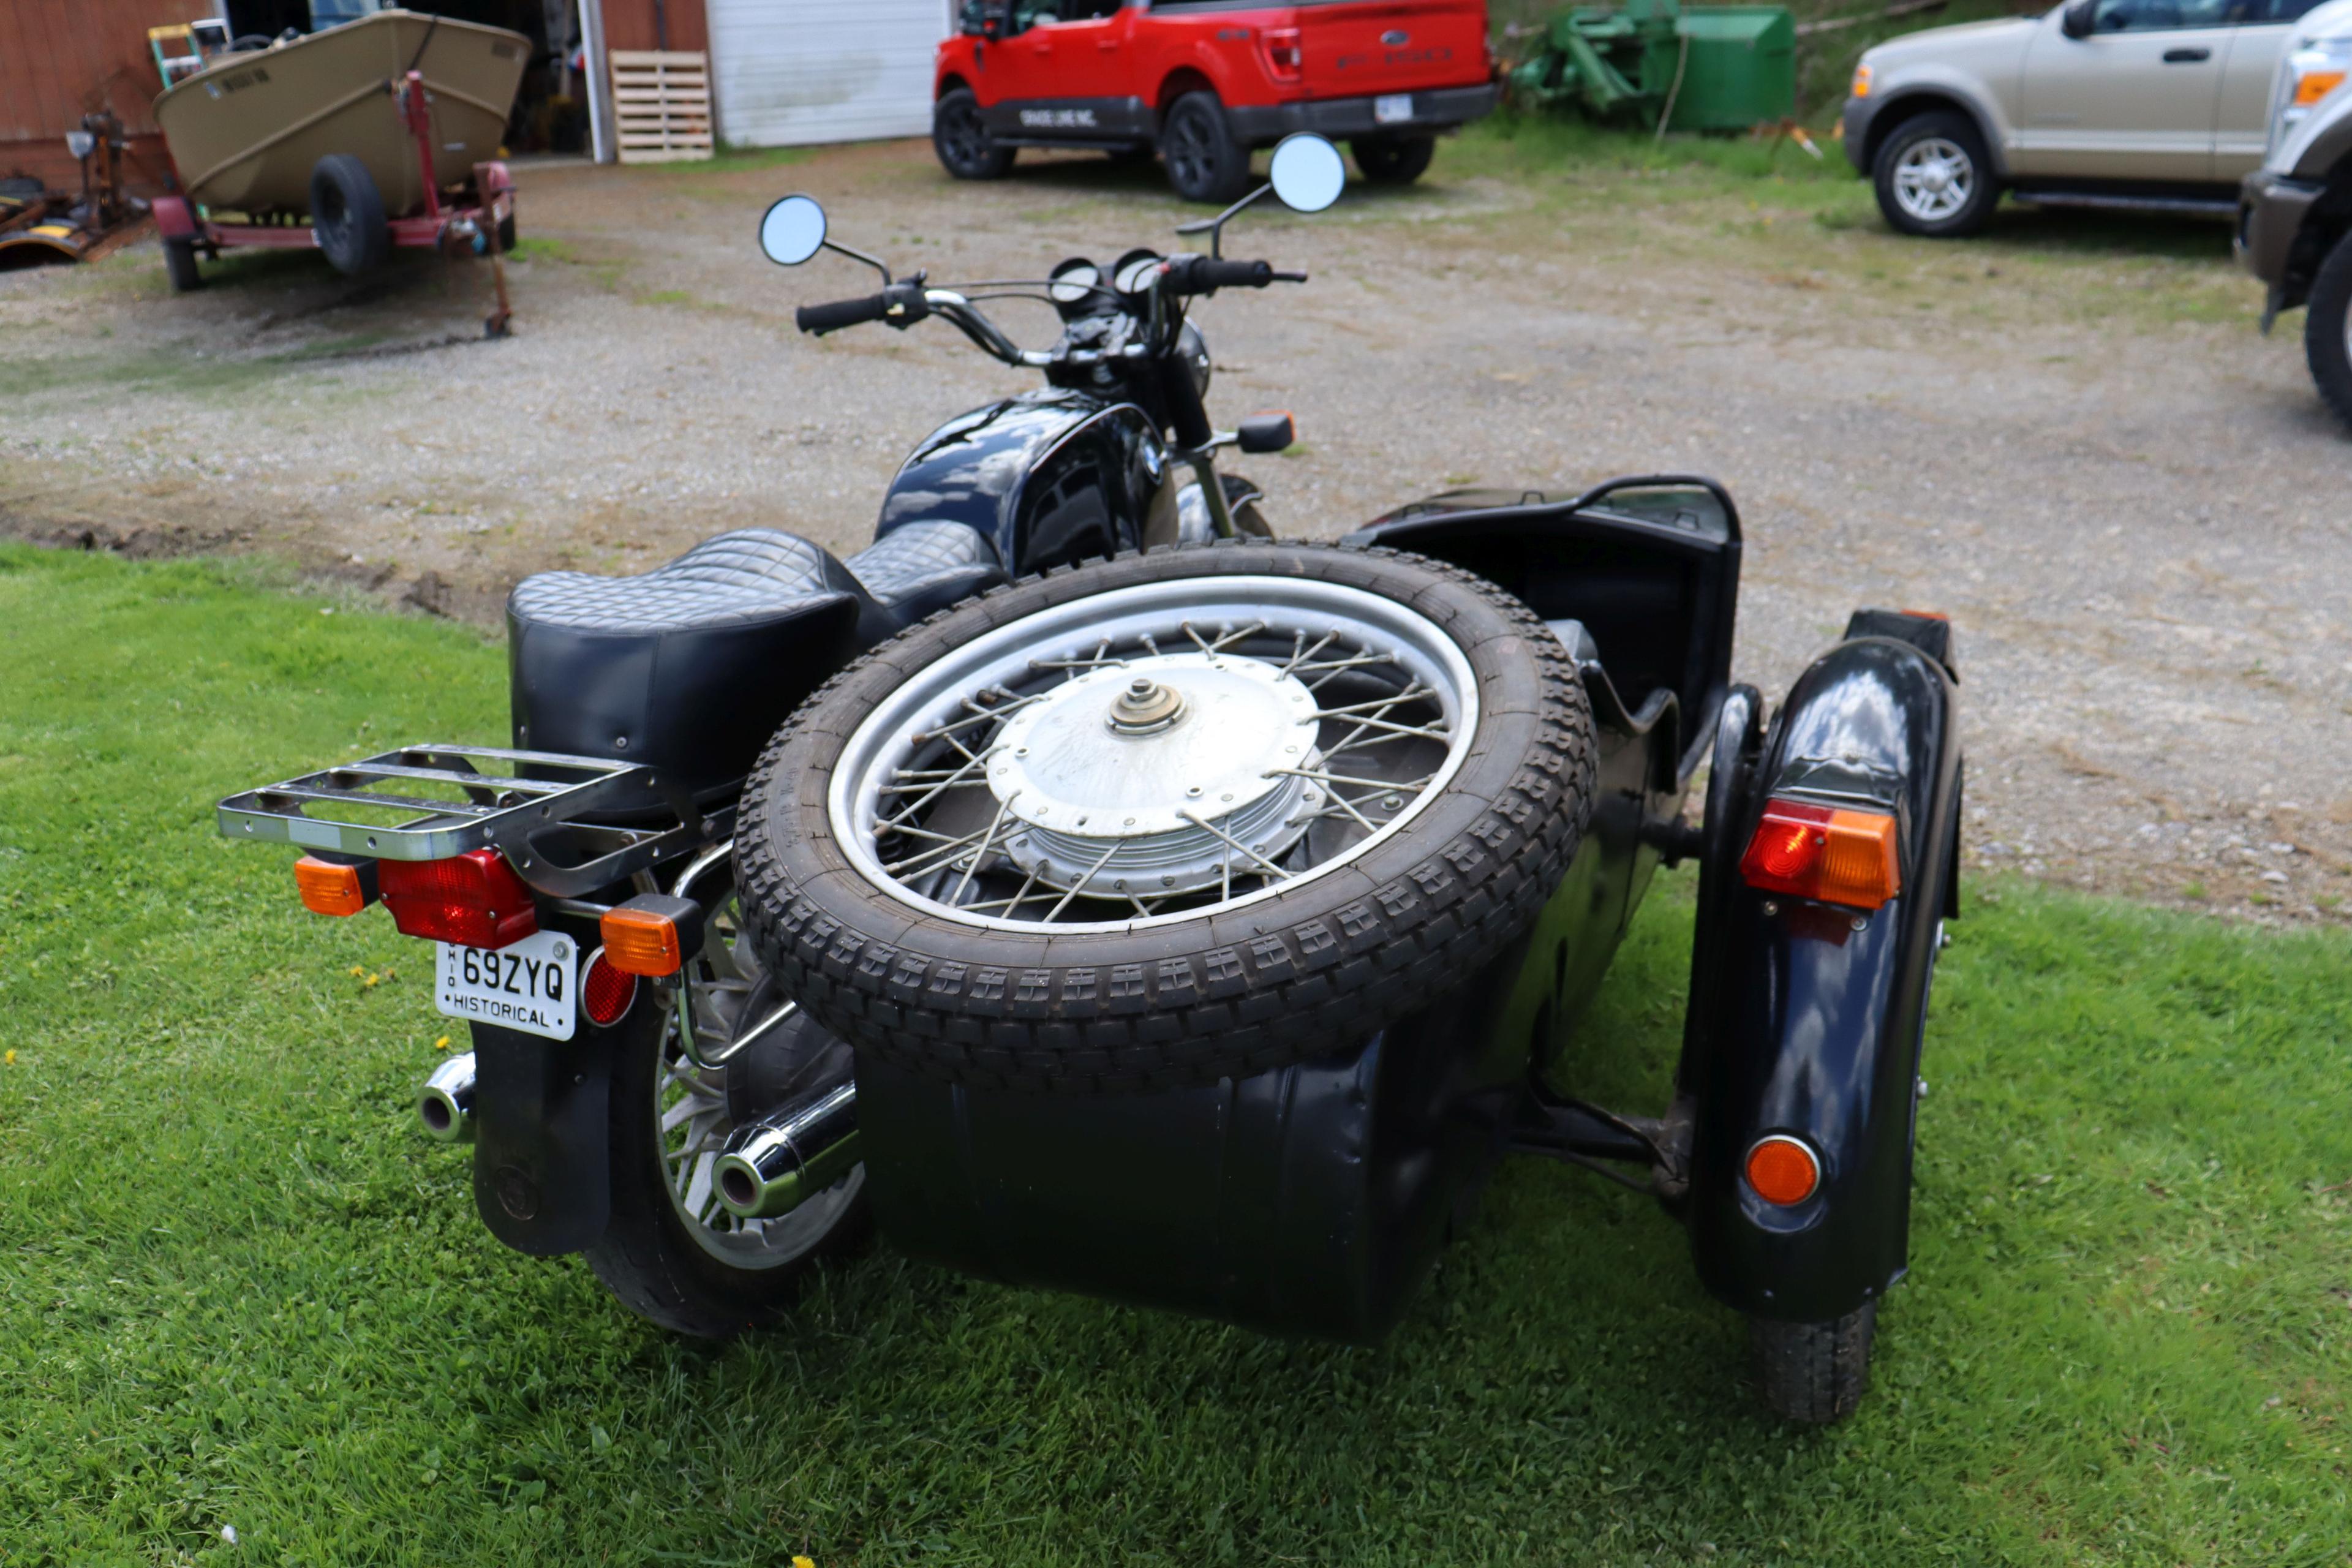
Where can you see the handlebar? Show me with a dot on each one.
(901, 305)
(1205, 275)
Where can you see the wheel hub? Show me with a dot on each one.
(1168, 774)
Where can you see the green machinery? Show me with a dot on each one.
(1710, 67)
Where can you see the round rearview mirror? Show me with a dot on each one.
(792, 230)
(1308, 173)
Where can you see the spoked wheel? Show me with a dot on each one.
(673, 1253)
(1934, 177)
(1195, 814)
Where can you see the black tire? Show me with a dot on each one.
(2327, 329)
(1393, 160)
(1310, 969)
(347, 215)
(1815, 1374)
(965, 148)
(180, 266)
(646, 1257)
(1959, 133)
(1204, 163)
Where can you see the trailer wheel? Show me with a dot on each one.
(1814, 1373)
(1393, 160)
(180, 266)
(1199, 812)
(347, 215)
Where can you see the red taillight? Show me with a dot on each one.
(1283, 58)
(1819, 852)
(474, 899)
(606, 993)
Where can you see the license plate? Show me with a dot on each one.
(1393, 109)
(526, 986)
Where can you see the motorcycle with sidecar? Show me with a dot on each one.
(1092, 891)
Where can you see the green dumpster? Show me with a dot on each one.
(1742, 70)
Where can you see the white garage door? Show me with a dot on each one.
(788, 71)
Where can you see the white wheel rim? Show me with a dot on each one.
(1933, 178)
(1357, 714)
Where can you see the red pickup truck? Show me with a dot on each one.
(1203, 82)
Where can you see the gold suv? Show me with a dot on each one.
(2155, 105)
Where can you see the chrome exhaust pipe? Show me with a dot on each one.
(446, 1104)
(790, 1154)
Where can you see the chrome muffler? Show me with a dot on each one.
(445, 1103)
(775, 1164)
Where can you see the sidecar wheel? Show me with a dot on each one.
(1195, 814)
(1814, 1373)
(671, 1254)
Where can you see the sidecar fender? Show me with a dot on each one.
(1806, 1017)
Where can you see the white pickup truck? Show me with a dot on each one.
(2146, 104)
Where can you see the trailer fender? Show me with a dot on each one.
(1807, 1016)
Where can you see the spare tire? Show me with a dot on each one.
(1195, 814)
(347, 215)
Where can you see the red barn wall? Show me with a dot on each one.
(60, 59)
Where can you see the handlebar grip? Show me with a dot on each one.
(1199, 275)
(819, 320)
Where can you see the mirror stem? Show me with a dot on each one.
(874, 262)
(1215, 226)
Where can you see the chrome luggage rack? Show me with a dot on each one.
(537, 816)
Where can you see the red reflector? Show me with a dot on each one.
(474, 899)
(606, 993)
(1817, 852)
(1783, 1170)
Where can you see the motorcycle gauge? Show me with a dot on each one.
(1073, 282)
(1135, 271)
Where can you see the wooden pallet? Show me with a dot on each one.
(661, 102)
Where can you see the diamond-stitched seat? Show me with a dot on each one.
(693, 665)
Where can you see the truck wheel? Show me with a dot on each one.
(1198, 813)
(347, 215)
(1934, 177)
(180, 266)
(2327, 329)
(1814, 1373)
(965, 148)
(1393, 160)
(1204, 163)
(670, 1253)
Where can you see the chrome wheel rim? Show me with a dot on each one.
(1934, 179)
(691, 1121)
(1274, 729)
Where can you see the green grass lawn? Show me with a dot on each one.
(238, 1288)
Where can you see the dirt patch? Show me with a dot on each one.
(2069, 437)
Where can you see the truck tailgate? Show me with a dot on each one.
(1365, 47)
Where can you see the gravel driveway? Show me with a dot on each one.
(2069, 437)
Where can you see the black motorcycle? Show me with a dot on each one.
(1101, 894)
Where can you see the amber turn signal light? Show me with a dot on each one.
(335, 888)
(651, 934)
(1822, 852)
(2315, 86)
(1783, 1170)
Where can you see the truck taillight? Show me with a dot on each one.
(1283, 58)
(474, 899)
(1822, 852)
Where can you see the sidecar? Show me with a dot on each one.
(1253, 1106)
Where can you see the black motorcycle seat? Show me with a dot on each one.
(693, 665)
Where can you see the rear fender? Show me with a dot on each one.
(543, 1177)
(1805, 1018)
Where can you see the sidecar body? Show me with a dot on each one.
(1313, 1199)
